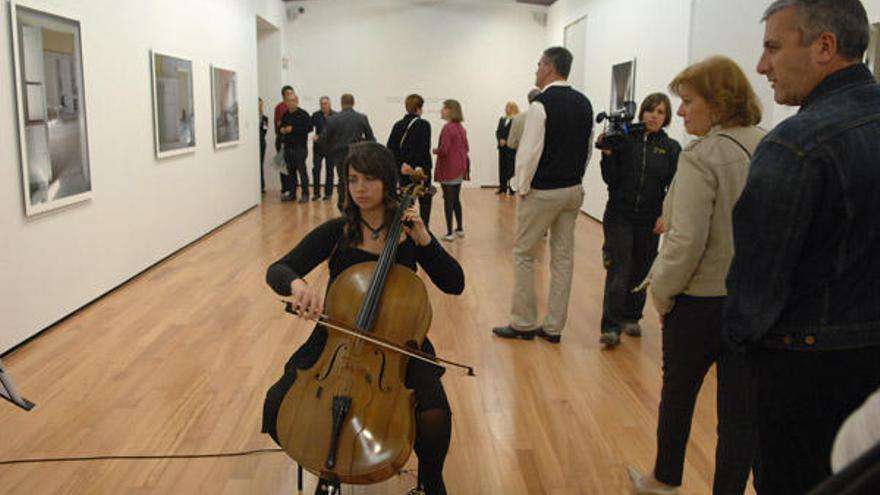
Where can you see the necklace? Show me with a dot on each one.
(374, 232)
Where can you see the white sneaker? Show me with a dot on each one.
(459, 233)
(448, 238)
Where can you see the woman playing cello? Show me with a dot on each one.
(359, 236)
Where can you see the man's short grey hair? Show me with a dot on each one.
(847, 19)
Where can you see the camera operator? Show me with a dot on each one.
(638, 167)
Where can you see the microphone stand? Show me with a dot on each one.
(8, 391)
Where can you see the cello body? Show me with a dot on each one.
(350, 418)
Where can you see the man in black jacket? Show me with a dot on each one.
(410, 141)
(319, 153)
(295, 128)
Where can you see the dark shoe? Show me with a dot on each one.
(553, 339)
(316, 198)
(609, 339)
(632, 329)
(509, 332)
(327, 197)
(500, 191)
(287, 197)
(304, 199)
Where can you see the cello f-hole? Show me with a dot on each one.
(329, 368)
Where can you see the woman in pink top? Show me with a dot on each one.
(452, 164)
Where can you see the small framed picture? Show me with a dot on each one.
(173, 115)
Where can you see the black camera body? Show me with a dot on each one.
(619, 126)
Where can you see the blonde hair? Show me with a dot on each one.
(723, 85)
(512, 105)
(454, 108)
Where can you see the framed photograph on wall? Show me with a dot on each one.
(224, 91)
(872, 55)
(623, 84)
(52, 130)
(173, 115)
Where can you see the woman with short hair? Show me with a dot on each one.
(453, 165)
(687, 279)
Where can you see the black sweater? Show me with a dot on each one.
(416, 148)
(302, 126)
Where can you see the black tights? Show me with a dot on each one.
(433, 431)
(452, 204)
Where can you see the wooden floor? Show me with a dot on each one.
(178, 361)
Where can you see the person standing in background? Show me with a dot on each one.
(410, 141)
(280, 109)
(295, 128)
(550, 163)
(506, 155)
(452, 165)
(319, 154)
(264, 128)
(343, 129)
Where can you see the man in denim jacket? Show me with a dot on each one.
(804, 285)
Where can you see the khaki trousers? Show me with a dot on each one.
(538, 211)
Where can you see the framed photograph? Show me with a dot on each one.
(872, 55)
(52, 131)
(173, 116)
(623, 84)
(224, 90)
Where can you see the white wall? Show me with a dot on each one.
(142, 209)
(654, 31)
(271, 79)
(480, 53)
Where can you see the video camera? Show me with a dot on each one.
(619, 126)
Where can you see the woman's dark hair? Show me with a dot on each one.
(650, 103)
(375, 160)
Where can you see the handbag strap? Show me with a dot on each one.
(406, 132)
(745, 150)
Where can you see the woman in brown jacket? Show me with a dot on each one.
(687, 279)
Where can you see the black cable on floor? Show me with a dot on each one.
(139, 457)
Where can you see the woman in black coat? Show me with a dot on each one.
(506, 156)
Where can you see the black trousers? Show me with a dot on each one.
(506, 157)
(318, 157)
(337, 161)
(629, 250)
(803, 398)
(285, 184)
(295, 158)
(691, 343)
(262, 158)
(452, 205)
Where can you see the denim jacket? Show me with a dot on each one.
(806, 269)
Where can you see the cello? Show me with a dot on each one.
(350, 418)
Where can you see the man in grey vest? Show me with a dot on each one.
(343, 129)
(550, 163)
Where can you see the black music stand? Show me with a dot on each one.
(8, 392)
